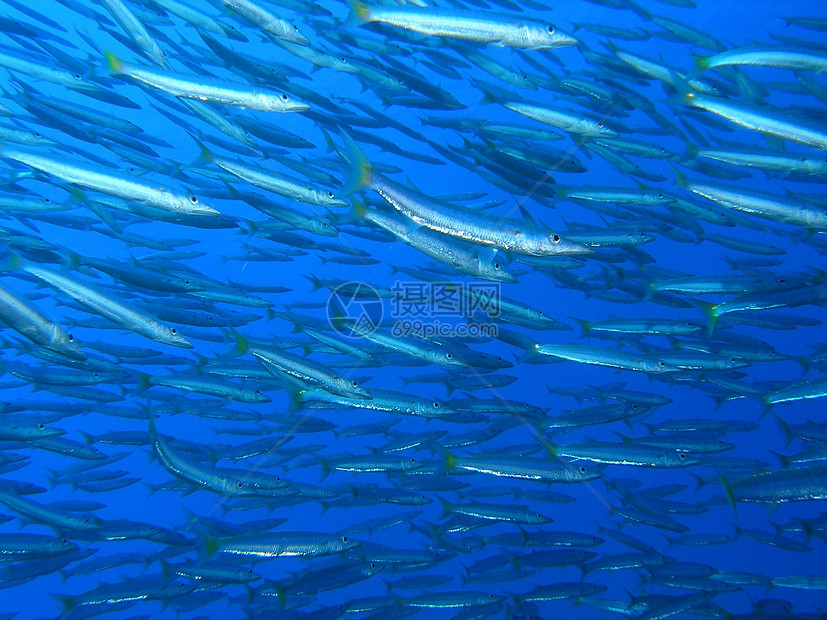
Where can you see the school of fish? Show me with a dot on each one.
(451, 309)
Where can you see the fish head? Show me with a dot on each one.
(65, 344)
(352, 389)
(172, 337)
(552, 244)
(548, 37)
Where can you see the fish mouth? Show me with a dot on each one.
(563, 39)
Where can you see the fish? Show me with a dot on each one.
(467, 26)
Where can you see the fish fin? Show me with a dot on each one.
(144, 382)
(785, 430)
(730, 494)
(359, 14)
(360, 172)
(709, 312)
(113, 63)
(204, 156)
(585, 326)
(529, 218)
(357, 212)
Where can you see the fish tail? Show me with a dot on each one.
(68, 602)
(241, 343)
(357, 213)
(710, 313)
(701, 64)
(12, 262)
(585, 326)
(210, 545)
(113, 63)
(359, 14)
(143, 384)
(449, 460)
(447, 508)
(325, 465)
(315, 281)
(730, 494)
(205, 156)
(360, 173)
(785, 430)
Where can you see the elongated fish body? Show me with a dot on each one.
(43, 72)
(763, 205)
(606, 357)
(551, 470)
(562, 119)
(783, 485)
(207, 89)
(110, 182)
(502, 31)
(463, 257)
(28, 321)
(772, 122)
(803, 390)
(310, 372)
(136, 30)
(766, 160)
(271, 24)
(282, 544)
(768, 56)
(282, 184)
(478, 227)
(109, 308)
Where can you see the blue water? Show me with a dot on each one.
(227, 256)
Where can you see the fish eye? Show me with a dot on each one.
(436, 405)
(683, 455)
(555, 238)
(77, 76)
(662, 364)
(63, 541)
(194, 200)
(355, 384)
(71, 338)
(496, 266)
(173, 331)
(283, 97)
(660, 195)
(37, 135)
(239, 485)
(551, 29)
(344, 538)
(41, 426)
(330, 194)
(449, 356)
(582, 470)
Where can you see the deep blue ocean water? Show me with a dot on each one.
(229, 255)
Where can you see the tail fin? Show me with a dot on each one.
(359, 14)
(113, 63)
(361, 171)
